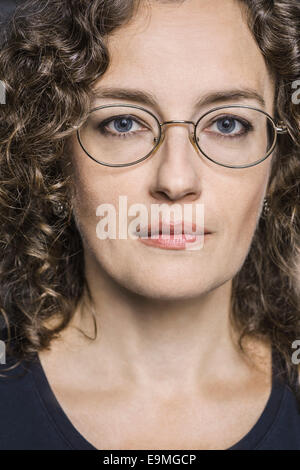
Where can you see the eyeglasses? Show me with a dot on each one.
(236, 136)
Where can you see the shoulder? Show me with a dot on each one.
(14, 379)
(17, 393)
(25, 421)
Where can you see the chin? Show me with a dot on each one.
(162, 288)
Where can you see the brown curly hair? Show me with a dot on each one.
(52, 54)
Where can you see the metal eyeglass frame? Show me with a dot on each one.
(279, 128)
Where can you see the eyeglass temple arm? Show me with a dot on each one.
(281, 128)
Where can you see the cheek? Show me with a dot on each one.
(248, 219)
(94, 187)
(90, 188)
(242, 216)
(94, 184)
(245, 199)
(88, 193)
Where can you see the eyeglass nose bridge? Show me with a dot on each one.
(177, 121)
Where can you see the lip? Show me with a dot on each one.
(172, 228)
(181, 235)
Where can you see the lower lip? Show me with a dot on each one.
(177, 242)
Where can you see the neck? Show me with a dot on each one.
(158, 343)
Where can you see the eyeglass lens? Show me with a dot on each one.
(231, 136)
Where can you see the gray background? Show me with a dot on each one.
(7, 7)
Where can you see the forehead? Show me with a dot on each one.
(183, 49)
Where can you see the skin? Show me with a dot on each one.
(165, 354)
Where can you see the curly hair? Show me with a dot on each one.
(52, 54)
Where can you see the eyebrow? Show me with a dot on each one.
(146, 98)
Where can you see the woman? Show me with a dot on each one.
(127, 343)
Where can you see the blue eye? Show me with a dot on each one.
(123, 124)
(226, 125)
(230, 127)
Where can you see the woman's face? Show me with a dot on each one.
(178, 53)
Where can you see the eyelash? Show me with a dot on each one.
(102, 125)
(248, 127)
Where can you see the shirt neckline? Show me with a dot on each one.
(77, 441)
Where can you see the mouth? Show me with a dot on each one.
(172, 230)
(174, 236)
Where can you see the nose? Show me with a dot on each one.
(177, 172)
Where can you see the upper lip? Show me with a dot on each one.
(178, 227)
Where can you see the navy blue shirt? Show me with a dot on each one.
(32, 418)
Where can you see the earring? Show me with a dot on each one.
(60, 209)
(266, 208)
